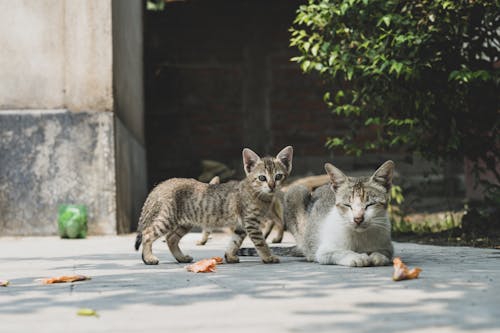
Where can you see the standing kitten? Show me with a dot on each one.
(344, 223)
(178, 204)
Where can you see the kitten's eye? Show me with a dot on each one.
(262, 178)
(278, 176)
(348, 206)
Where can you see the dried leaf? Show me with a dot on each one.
(204, 265)
(87, 312)
(401, 271)
(65, 278)
(4, 283)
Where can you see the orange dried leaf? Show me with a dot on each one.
(65, 278)
(401, 271)
(204, 265)
(218, 260)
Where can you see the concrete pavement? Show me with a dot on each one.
(459, 290)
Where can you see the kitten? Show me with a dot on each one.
(344, 223)
(207, 231)
(176, 205)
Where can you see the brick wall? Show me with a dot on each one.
(219, 78)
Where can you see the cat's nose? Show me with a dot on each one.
(271, 185)
(358, 220)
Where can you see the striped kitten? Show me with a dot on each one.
(178, 204)
(344, 223)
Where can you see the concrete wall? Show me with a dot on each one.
(56, 54)
(129, 111)
(56, 122)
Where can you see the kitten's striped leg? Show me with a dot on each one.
(239, 235)
(173, 238)
(149, 235)
(204, 237)
(252, 227)
(269, 225)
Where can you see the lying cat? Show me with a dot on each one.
(342, 223)
(178, 204)
(346, 222)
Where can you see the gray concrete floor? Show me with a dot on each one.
(458, 291)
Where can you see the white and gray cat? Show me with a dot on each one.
(342, 223)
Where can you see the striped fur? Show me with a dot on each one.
(176, 205)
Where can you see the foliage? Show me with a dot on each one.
(421, 74)
(155, 5)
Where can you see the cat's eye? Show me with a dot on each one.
(262, 178)
(278, 176)
(370, 204)
(347, 205)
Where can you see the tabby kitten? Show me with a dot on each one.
(344, 223)
(178, 204)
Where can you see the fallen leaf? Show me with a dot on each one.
(65, 278)
(204, 265)
(219, 260)
(4, 283)
(87, 312)
(401, 271)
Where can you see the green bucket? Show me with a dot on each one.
(72, 221)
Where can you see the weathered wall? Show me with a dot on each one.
(56, 54)
(129, 109)
(48, 158)
(56, 125)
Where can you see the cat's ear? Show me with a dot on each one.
(249, 160)
(383, 175)
(285, 156)
(337, 177)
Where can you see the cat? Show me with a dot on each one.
(273, 218)
(176, 205)
(346, 222)
(341, 223)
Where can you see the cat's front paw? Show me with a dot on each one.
(378, 259)
(184, 259)
(231, 259)
(271, 260)
(355, 260)
(150, 260)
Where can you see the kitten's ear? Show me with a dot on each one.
(383, 175)
(249, 160)
(337, 177)
(285, 156)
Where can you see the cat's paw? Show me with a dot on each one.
(277, 239)
(378, 259)
(231, 259)
(356, 260)
(150, 260)
(184, 259)
(271, 260)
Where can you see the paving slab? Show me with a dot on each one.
(458, 291)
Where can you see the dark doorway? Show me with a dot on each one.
(219, 78)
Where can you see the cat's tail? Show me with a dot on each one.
(138, 240)
(288, 251)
